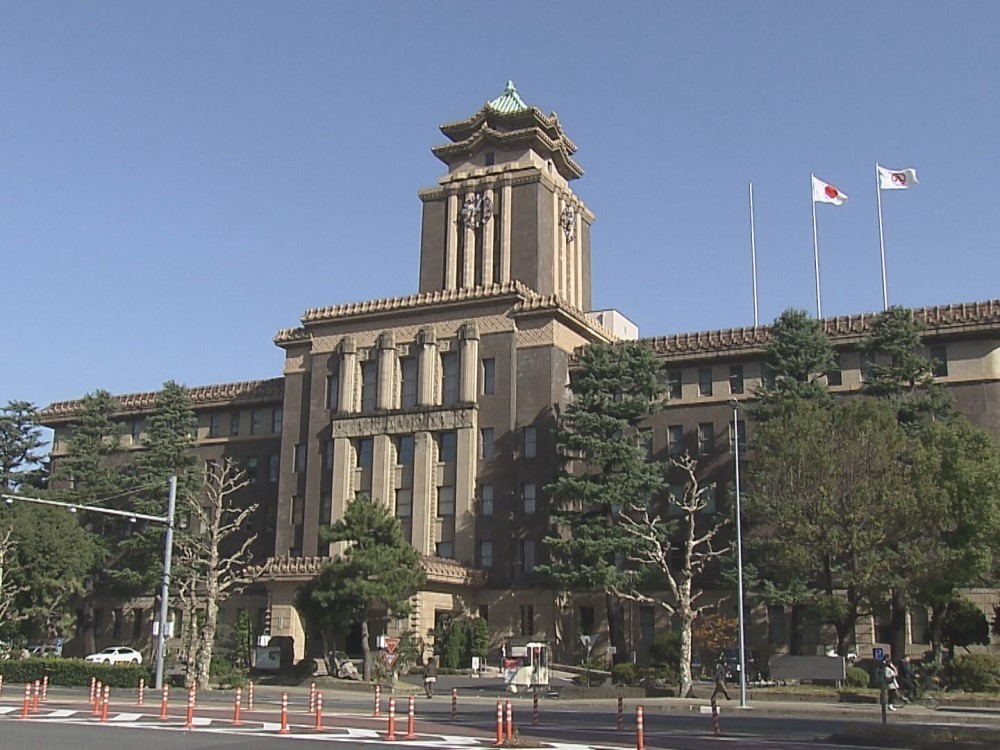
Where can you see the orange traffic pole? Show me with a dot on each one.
(312, 697)
(37, 694)
(98, 691)
(378, 700)
(45, 689)
(640, 735)
(236, 706)
(454, 704)
(189, 722)
(410, 713)
(391, 735)
(284, 714)
(26, 709)
(142, 691)
(510, 720)
(104, 703)
(499, 741)
(621, 714)
(163, 701)
(319, 712)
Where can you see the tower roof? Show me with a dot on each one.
(507, 122)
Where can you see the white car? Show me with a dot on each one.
(116, 655)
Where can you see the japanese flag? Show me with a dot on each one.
(897, 179)
(823, 193)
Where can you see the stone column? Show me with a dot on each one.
(564, 251)
(468, 357)
(386, 371)
(342, 490)
(578, 255)
(451, 243)
(558, 265)
(465, 490)
(426, 366)
(424, 487)
(571, 252)
(488, 233)
(382, 472)
(348, 374)
(505, 233)
(469, 250)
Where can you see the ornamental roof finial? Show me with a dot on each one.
(508, 102)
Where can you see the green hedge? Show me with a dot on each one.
(857, 677)
(73, 672)
(977, 673)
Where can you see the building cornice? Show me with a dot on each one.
(299, 569)
(245, 392)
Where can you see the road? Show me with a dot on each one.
(66, 721)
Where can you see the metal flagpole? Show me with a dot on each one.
(753, 258)
(881, 240)
(819, 306)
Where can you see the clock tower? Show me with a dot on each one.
(505, 210)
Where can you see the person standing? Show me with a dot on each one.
(890, 675)
(720, 680)
(430, 676)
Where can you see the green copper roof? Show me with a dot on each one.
(508, 102)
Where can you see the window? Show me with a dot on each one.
(674, 384)
(588, 618)
(646, 443)
(704, 381)
(328, 455)
(213, 426)
(528, 497)
(300, 458)
(404, 503)
(273, 467)
(706, 438)
(298, 510)
(276, 418)
(117, 623)
(486, 499)
(408, 386)
(447, 447)
(939, 361)
(333, 391)
(485, 553)
(736, 379)
(446, 501)
(234, 424)
(445, 550)
(675, 439)
(741, 433)
(489, 158)
(404, 450)
(252, 470)
(484, 612)
(530, 436)
(527, 619)
(365, 448)
(325, 509)
(449, 378)
(256, 422)
(489, 376)
(527, 555)
(369, 385)
(835, 376)
(486, 443)
(137, 614)
(867, 361)
(137, 425)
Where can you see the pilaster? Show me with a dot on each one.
(348, 374)
(488, 239)
(426, 367)
(469, 247)
(382, 471)
(505, 233)
(465, 488)
(451, 243)
(386, 370)
(468, 362)
(424, 484)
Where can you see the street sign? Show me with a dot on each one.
(878, 654)
(391, 644)
(612, 650)
(588, 642)
(390, 658)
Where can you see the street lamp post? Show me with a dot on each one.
(168, 543)
(739, 552)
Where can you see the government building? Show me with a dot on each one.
(442, 405)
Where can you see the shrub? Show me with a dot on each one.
(978, 673)
(73, 672)
(856, 678)
(665, 650)
(625, 674)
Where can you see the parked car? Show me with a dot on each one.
(116, 655)
(732, 657)
(45, 651)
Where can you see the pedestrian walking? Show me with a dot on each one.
(720, 680)
(907, 684)
(891, 676)
(430, 676)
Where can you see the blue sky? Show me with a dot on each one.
(180, 180)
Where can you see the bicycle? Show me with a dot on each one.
(928, 691)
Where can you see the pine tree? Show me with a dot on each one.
(20, 445)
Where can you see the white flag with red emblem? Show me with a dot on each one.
(824, 193)
(896, 179)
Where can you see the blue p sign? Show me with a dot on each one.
(878, 654)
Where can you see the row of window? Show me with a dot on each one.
(251, 466)
(258, 418)
(705, 443)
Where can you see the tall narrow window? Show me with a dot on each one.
(366, 449)
(704, 381)
(408, 395)
(528, 497)
(300, 458)
(327, 455)
(277, 415)
(137, 425)
(325, 509)
(706, 438)
(939, 361)
(736, 379)
(252, 470)
(485, 554)
(234, 424)
(445, 550)
(404, 450)
(741, 434)
(489, 376)
(256, 422)
(675, 439)
(298, 510)
(486, 499)
(214, 430)
(674, 384)
(486, 443)
(333, 391)
(527, 619)
(835, 376)
(530, 436)
(646, 443)
(527, 555)
(867, 362)
(369, 385)
(446, 501)
(273, 467)
(449, 378)
(404, 503)
(447, 447)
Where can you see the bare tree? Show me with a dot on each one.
(694, 534)
(8, 588)
(213, 555)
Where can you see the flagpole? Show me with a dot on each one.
(753, 258)
(819, 307)
(881, 240)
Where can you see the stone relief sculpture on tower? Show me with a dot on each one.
(568, 223)
(476, 211)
